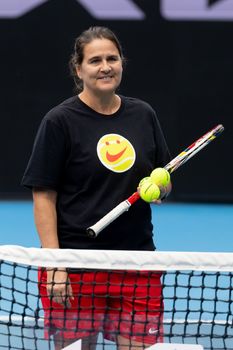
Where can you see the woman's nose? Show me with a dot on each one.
(105, 67)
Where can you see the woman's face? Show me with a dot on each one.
(101, 68)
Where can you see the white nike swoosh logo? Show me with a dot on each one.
(153, 331)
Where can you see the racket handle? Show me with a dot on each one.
(94, 230)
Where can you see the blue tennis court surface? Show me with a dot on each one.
(177, 226)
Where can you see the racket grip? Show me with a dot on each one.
(94, 230)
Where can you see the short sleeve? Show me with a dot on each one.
(47, 161)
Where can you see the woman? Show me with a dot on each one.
(90, 153)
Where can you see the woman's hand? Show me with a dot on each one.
(58, 286)
(164, 192)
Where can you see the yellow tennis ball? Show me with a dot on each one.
(160, 177)
(148, 190)
(145, 179)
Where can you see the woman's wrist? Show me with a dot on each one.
(56, 269)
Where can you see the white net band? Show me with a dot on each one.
(120, 260)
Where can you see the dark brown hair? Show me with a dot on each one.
(81, 41)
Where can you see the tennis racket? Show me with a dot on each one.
(175, 163)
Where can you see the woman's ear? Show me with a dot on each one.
(78, 71)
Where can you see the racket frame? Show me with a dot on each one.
(174, 164)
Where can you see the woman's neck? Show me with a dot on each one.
(102, 104)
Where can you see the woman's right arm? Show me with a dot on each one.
(45, 215)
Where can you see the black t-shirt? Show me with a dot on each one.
(94, 162)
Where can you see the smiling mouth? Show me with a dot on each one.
(107, 77)
(114, 157)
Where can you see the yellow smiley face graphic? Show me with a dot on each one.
(116, 153)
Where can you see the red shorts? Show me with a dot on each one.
(122, 303)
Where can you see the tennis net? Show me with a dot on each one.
(129, 298)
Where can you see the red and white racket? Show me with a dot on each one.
(175, 163)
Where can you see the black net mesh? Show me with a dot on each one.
(110, 307)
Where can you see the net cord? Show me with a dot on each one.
(117, 259)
